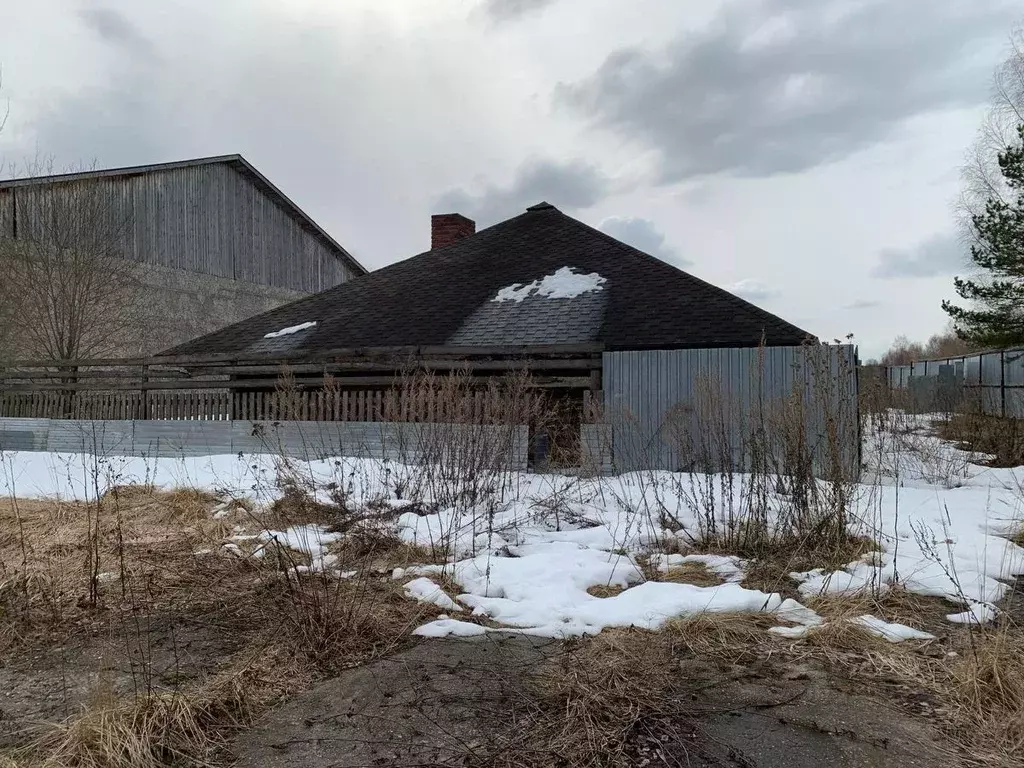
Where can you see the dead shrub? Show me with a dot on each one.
(1000, 439)
(337, 624)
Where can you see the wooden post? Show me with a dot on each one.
(144, 404)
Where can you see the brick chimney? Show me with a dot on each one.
(448, 228)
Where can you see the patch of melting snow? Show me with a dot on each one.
(808, 621)
(289, 330)
(446, 627)
(563, 284)
(426, 591)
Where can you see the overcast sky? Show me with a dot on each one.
(804, 153)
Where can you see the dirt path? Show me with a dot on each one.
(454, 702)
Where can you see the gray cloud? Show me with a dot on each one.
(507, 10)
(753, 290)
(571, 185)
(645, 236)
(779, 86)
(862, 304)
(939, 255)
(115, 29)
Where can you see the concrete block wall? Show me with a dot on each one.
(179, 306)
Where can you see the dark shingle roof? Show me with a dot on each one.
(446, 297)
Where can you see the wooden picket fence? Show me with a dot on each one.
(308, 405)
(423, 384)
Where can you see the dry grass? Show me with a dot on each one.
(335, 625)
(592, 696)
(770, 572)
(728, 637)
(979, 690)
(290, 629)
(896, 605)
(605, 590)
(1003, 439)
(696, 574)
(378, 550)
(186, 727)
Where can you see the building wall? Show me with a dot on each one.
(212, 247)
(179, 306)
(210, 219)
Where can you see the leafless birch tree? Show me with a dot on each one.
(68, 292)
(982, 178)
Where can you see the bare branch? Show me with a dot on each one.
(69, 290)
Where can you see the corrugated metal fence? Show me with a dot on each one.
(402, 442)
(683, 409)
(992, 382)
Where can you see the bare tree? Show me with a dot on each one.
(941, 345)
(982, 177)
(68, 290)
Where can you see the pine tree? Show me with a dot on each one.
(996, 315)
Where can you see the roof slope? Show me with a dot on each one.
(237, 162)
(450, 297)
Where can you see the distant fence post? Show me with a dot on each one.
(1002, 384)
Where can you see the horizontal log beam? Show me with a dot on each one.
(304, 382)
(576, 364)
(401, 352)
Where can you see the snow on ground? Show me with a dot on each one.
(528, 547)
(563, 284)
(311, 540)
(426, 591)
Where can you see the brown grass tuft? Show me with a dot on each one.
(696, 574)
(731, 637)
(591, 696)
(605, 590)
(186, 727)
(335, 625)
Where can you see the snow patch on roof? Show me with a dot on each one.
(564, 284)
(289, 330)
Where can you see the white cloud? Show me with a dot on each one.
(369, 113)
(644, 235)
(753, 290)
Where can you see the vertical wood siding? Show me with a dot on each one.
(209, 219)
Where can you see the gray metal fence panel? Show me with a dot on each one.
(671, 409)
(182, 438)
(106, 437)
(299, 439)
(991, 382)
(24, 434)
